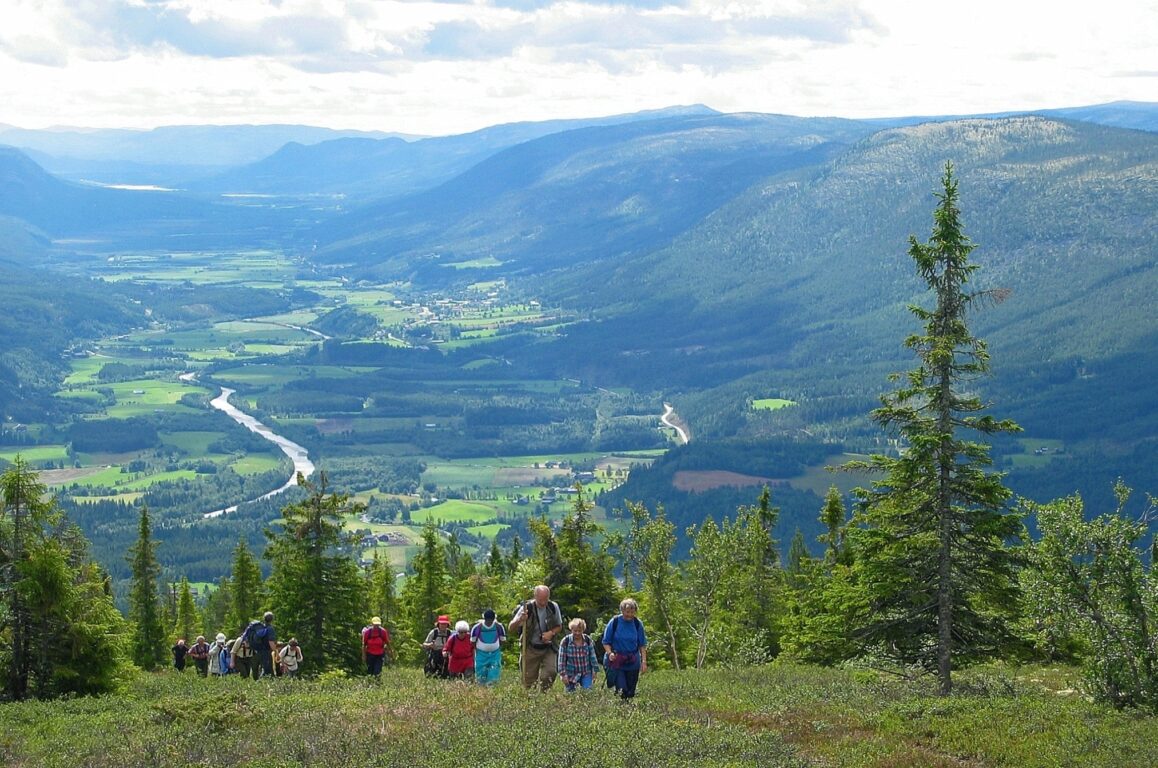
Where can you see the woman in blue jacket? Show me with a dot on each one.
(626, 645)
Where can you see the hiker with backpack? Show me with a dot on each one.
(290, 657)
(252, 652)
(199, 652)
(459, 653)
(435, 641)
(265, 644)
(626, 645)
(577, 661)
(242, 659)
(541, 622)
(375, 646)
(488, 636)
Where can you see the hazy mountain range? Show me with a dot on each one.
(714, 255)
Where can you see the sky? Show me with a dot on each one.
(439, 67)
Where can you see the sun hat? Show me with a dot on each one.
(444, 619)
(220, 637)
(462, 626)
(377, 620)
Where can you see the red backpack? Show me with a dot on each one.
(374, 640)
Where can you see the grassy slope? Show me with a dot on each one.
(774, 716)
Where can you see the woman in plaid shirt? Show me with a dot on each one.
(577, 662)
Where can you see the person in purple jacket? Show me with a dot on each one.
(626, 645)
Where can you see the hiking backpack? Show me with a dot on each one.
(375, 641)
(250, 636)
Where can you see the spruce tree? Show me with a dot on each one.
(187, 620)
(381, 598)
(833, 518)
(59, 630)
(216, 609)
(316, 591)
(426, 593)
(148, 643)
(799, 560)
(24, 512)
(245, 589)
(933, 533)
(579, 567)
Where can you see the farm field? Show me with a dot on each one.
(36, 454)
(771, 403)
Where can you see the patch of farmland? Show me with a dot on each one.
(68, 476)
(511, 476)
(694, 481)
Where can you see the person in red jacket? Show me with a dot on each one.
(459, 652)
(375, 646)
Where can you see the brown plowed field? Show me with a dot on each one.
(705, 480)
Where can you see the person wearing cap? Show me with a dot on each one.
(488, 636)
(375, 646)
(541, 622)
(434, 643)
(199, 652)
(459, 653)
(290, 656)
(219, 656)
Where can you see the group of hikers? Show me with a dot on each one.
(548, 649)
(253, 653)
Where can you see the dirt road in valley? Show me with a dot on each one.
(670, 419)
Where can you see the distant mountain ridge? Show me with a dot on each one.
(589, 193)
(162, 155)
(387, 168)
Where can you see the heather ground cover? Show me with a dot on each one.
(765, 716)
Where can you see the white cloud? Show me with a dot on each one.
(435, 66)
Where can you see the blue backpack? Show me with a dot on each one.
(253, 634)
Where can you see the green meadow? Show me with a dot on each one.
(454, 511)
(771, 404)
(250, 268)
(777, 716)
(143, 396)
(34, 454)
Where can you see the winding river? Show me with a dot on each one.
(297, 454)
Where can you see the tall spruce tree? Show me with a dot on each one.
(23, 513)
(317, 593)
(246, 588)
(381, 597)
(934, 532)
(59, 630)
(187, 620)
(427, 592)
(148, 645)
(578, 564)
